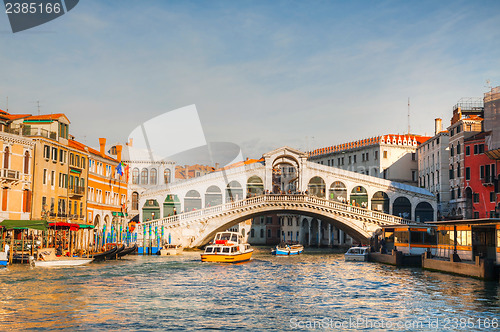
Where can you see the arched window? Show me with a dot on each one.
(26, 162)
(153, 176)
(135, 201)
(135, 176)
(144, 176)
(166, 176)
(6, 156)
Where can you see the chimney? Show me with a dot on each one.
(438, 126)
(186, 171)
(119, 153)
(217, 165)
(130, 141)
(102, 144)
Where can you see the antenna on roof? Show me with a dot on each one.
(38, 106)
(488, 84)
(7, 106)
(408, 115)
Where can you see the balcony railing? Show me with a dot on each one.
(9, 174)
(77, 191)
(30, 132)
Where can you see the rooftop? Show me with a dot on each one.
(390, 139)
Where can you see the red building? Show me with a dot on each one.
(481, 178)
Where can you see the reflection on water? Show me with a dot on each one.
(181, 293)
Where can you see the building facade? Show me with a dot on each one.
(433, 174)
(391, 157)
(106, 190)
(16, 172)
(480, 176)
(466, 122)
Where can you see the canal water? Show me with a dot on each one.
(314, 291)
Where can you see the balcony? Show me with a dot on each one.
(9, 175)
(77, 191)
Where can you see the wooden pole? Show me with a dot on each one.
(11, 248)
(3, 239)
(22, 246)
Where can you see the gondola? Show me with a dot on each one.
(102, 256)
(127, 251)
(118, 251)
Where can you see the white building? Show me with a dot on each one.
(433, 165)
(466, 122)
(392, 157)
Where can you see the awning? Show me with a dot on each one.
(86, 226)
(40, 225)
(66, 225)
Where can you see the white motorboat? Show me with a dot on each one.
(46, 258)
(171, 249)
(357, 254)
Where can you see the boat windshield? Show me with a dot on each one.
(234, 238)
(355, 251)
(217, 249)
(226, 250)
(209, 249)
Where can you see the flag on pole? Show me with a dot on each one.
(119, 169)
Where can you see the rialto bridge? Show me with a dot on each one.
(190, 212)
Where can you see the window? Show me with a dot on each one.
(54, 154)
(467, 150)
(5, 194)
(459, 192)
(376, 155)
(414, 175)
(452, 193)
(53, 178)
(452, 173)
(467, 173)
(492, 197)
(144, 176)
(26, 162)
(452, 150)
(261, 232)
(83, 162)
(6, 157)
(135, 176)
(481, 148)
(459, 150)
(44, 204)
(476, 215)
(459, 173)
(481, 172)
(354, 159)
(475, 197)
(135, 201)
(252, 232)
(385, 174)
(46, 152)
(152, 176)
(269, 233)
(385, 154)
(44, 179)
(413, 156)
(349, 160)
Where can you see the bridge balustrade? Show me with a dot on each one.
(188, 217)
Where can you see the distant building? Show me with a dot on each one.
(480, 175)
(433, 165)
(392, 157)
(16, 172)
(466, 122)
(107, 190)
(492, 123)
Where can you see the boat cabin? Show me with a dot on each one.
(410, 239)
(469, 238)
(227, 237)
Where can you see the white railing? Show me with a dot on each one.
(188, 217)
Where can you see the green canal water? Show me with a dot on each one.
(314, 291)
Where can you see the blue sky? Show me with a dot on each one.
(262, 73)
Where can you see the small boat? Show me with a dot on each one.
(228, 247)
(170, 249)
(101, 256)
(287, 250)
(127, 251)
(357, 254)
(46, 257)
(3, 258)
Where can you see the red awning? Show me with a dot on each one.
(64, 225)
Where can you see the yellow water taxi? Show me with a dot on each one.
(227, 247)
